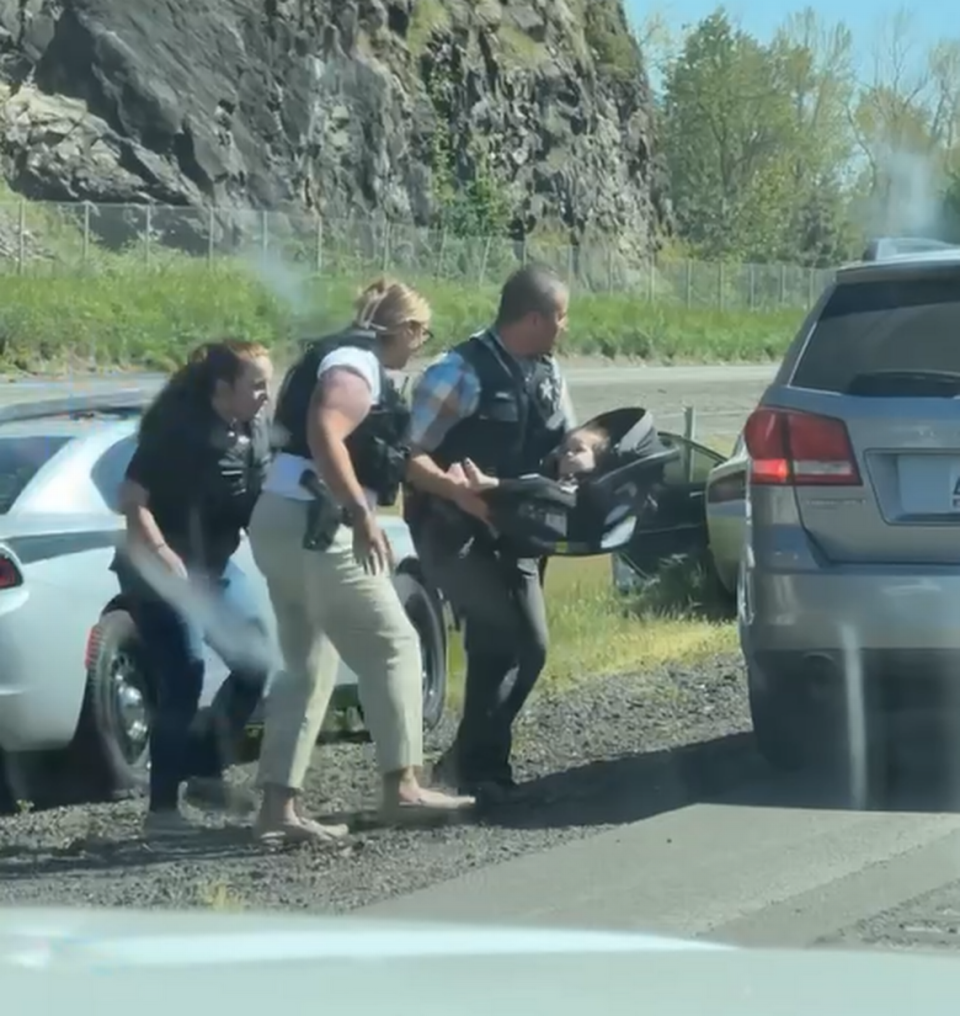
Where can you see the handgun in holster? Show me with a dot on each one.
(324, 515)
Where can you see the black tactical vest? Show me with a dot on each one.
(519, 420)
(377, 449)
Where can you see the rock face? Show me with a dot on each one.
(347, 107)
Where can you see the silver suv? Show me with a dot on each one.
(849, 592)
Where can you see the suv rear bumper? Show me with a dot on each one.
(861, 609)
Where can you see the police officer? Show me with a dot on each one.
(315, 537)
(499, 400)
(189, 491)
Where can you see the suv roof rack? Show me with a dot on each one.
(882, 247)
(124, 403)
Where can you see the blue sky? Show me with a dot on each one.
(761, 17)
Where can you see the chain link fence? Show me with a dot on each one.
(39, 237)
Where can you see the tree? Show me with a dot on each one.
(905, 122)
(726, 126)
(814, 64)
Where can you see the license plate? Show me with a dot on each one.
(929, 484)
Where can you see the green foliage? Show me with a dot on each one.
(780, 152)
(606, 34)
(426, 17)
(475, 206)
(137, 316)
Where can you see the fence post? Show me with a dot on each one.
(319, 258)
(147, 233)
(690, 434)
(442, 251)
(85, 239)
(21, 237)
(386, 247)
(264, 230)
(211, 225)
(486, 258)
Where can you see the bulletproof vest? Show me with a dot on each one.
(376, 447)
(519, 419)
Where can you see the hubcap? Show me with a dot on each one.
(133, 721)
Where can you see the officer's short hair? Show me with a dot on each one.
(533, 289)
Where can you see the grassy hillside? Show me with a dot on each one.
(135, 315)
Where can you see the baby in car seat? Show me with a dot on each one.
(581, 452)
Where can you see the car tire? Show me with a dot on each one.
(112, 741)
(796, 729)
(778, 721)
(426, 614)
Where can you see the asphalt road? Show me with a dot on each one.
(771, 862)
(721, 396)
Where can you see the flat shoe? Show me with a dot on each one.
(304, 831)
(429, 806)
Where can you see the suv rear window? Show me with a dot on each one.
(21, 458)
(911, 324)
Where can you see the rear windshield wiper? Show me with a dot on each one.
(924, 384)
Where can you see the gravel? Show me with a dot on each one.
(602, 753)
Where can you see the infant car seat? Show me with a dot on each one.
(538, 515)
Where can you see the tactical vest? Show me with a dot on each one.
(519, 419)
(377, 449)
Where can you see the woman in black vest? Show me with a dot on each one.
(189, 492)
(345, 424)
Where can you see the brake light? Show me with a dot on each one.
(793, 449)
(10, 575)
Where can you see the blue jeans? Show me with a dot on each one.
(173, 646)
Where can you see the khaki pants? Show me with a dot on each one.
(327, 608)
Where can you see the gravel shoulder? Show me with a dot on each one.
(602, 753)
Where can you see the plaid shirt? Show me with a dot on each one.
(447, 392)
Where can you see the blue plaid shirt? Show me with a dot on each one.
(447, 392)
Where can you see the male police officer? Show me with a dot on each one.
(499, 400)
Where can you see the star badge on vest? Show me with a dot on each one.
(548, 393)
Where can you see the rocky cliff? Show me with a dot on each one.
(343, 106)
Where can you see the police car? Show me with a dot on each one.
(74, 697)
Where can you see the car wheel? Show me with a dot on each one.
(778, 721)
(426, 615)
(113, 734)
(798, 728)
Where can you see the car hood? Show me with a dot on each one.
(190, 962)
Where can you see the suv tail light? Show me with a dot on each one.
(793, 449)
(10, 574)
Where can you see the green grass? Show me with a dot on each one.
(594, 631)
(128, 314)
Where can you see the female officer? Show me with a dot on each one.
(189, 491)
(344, 422)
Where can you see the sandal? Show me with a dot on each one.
(304, 830)
(429, 806)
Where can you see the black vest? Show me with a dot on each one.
(519, 419)
(377, 449)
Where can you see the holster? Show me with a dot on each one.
(324, 515)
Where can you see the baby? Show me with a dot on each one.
(580, 453)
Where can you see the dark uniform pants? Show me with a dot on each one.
(173, 647)
(500, 602)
